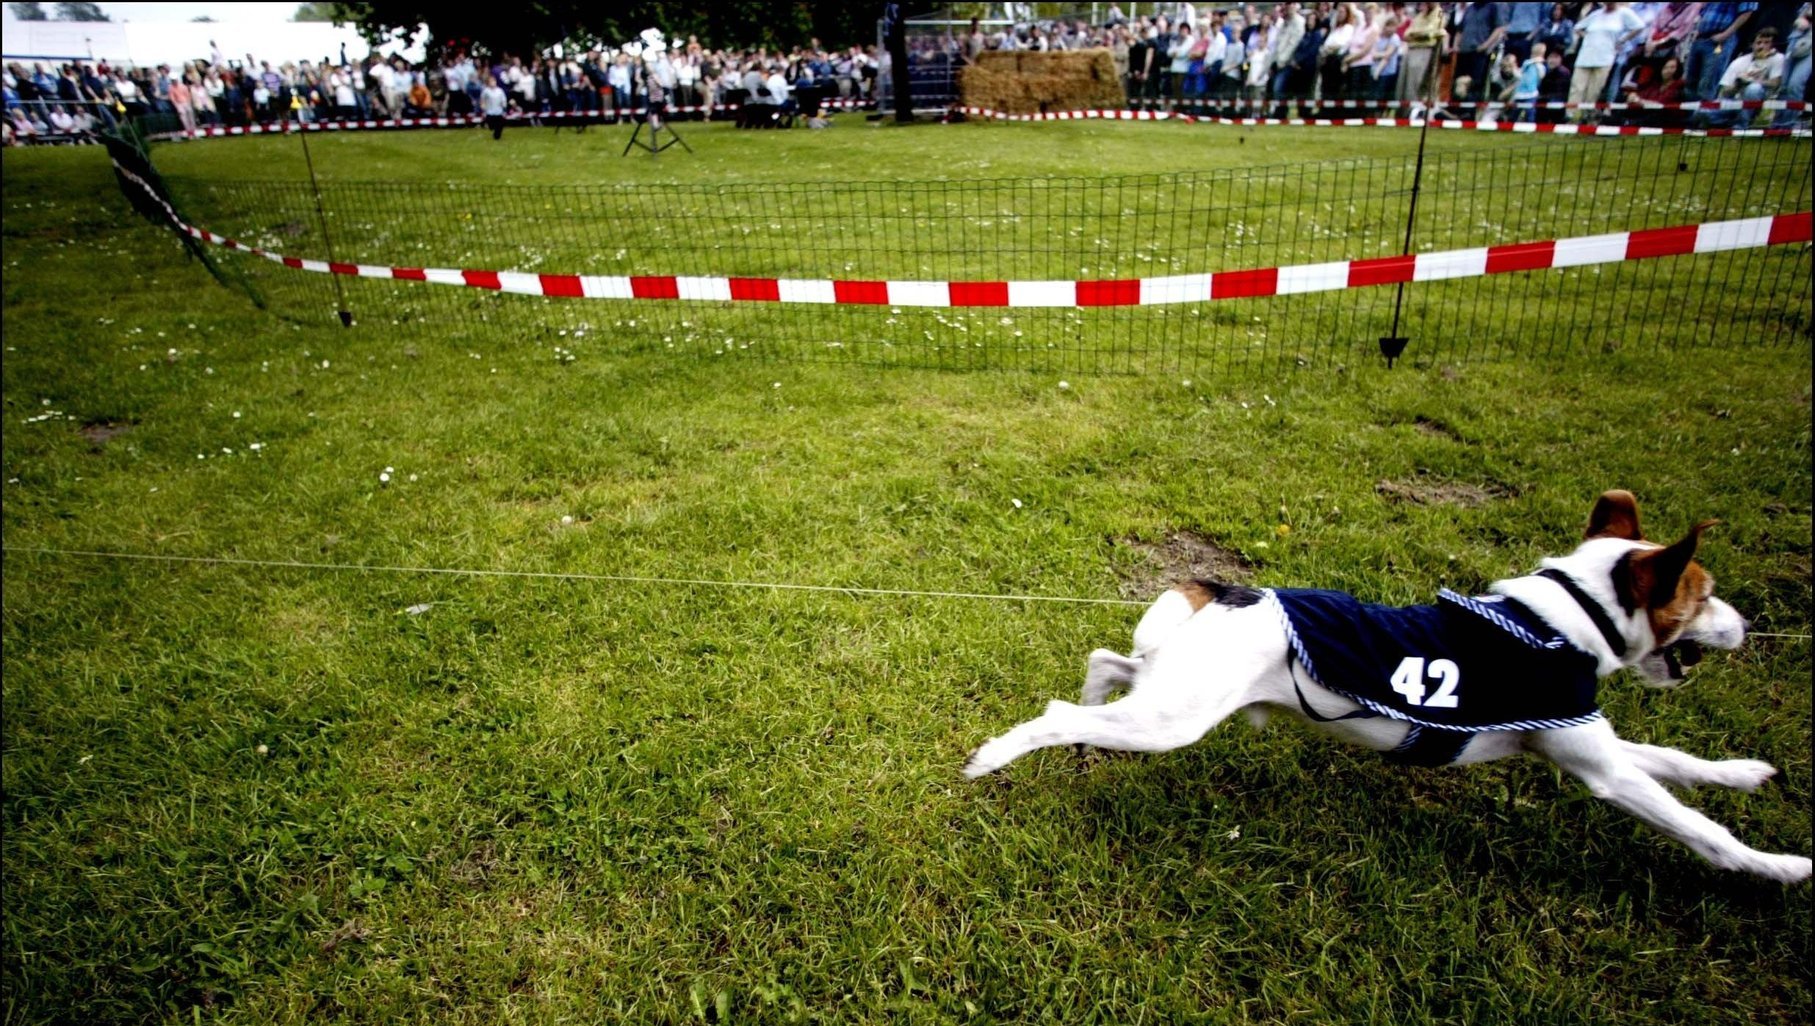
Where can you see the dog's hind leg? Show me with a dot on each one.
(1669, 766)
(1592, 753)
(1108, 671)
(1131, 725)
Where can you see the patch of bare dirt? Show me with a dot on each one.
(1439, 493)
(1431, 426)
(1182, 555)
(350, 932)
(100, 432)
(477, 866)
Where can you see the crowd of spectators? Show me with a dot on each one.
(74, 100)
(1491, 60)
(1488, 59)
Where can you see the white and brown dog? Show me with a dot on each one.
(1465, 680)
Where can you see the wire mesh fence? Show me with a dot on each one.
(1062, 229)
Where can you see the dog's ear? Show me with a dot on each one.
(1652, 577)
(1616, 515)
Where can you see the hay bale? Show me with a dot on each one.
(1031, 82)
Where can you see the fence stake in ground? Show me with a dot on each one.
(321, 215)
(1393, 343)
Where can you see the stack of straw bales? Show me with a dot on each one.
(1030, 82)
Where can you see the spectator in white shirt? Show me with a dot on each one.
(1752, 77)
(492, 100)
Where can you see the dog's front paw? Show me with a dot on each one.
(1787, 869)
(987, 759)
(1745, 775)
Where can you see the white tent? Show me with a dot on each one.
(154, 43)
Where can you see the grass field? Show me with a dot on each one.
(259, 794)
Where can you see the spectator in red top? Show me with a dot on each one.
(1658, 92)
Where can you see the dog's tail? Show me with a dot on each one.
(1168, 611)
(1181, 603)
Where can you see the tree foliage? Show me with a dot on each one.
(29, 12)
(81, 12)
(533, 27)
(317, 12)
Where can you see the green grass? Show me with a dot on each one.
(551, 801)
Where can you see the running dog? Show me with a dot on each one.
(1466, 680)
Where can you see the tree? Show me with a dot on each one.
(29, 12)
(316, 12)
(534, 27)
(81, 12)
(201, 17)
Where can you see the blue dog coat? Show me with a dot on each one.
(1452, 670)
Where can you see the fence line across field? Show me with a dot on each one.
(1447, 124)
(556, 575)
(553, 575)
(693, 240)
(1676, 240)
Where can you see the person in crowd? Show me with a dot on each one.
(419, 104)
(1481, 29)
(1529, 84)
(525, 89)
(346, 99)
(182, 103)
(1554, 89)
(1289, 31)
(1301, 72)
(1671, 31)
(1753, 77)
(621, 82)
(1796, 79)
(1558, 33)
(1235, 63)
(1602, 34)
(1178, 63)
(1216, 54)
(1259, 71)
(1714, 46)
(204, 93)
(1522, 24)
(1331, 60)
(1424, 40)
(61, 121)
(1159, 50)
(24, 129)
(1358, 59)
(1655, 95)
(1389, 56)
(1633, 48)
(1134, 83)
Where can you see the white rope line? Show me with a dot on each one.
(570, 576)
(618, 578)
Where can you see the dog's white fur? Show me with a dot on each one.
(1192, 667)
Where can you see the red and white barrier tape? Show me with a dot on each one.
(1712, 237)
(1236, 101)
(1476, 126)
(288, 127)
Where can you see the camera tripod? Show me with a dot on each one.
(652, 116)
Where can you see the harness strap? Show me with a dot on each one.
(1429, 747)
(1602, 622)
(1314, 715)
